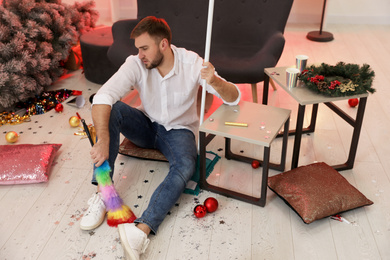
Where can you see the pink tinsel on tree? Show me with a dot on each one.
(35, 36)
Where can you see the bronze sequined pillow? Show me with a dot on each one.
(316, 191)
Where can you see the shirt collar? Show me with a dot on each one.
(175, 67)
(174, 70)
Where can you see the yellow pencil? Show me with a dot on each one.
(236, 124)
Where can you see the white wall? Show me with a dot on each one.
(306, 11)
(359, 11)
(341, 11)
(113, 10)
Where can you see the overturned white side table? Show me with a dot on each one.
(263, 125)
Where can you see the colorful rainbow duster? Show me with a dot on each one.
(117, 212)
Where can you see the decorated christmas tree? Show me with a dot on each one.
(35, 37)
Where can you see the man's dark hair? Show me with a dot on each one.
(157, 28)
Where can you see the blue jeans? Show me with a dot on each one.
(177, 145)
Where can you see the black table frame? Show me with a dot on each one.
(299, 130)
(265, 164)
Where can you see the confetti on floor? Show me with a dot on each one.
(89, 256)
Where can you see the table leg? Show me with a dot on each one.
(264, 180)
(312, 126)
(284, 144)
(265, 89)
(356, 132)
(202, 160)
(254, 92)
(357, 126)
(298, 136)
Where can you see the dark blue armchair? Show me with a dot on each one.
(247, 35)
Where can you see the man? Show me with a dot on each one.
(167, 79)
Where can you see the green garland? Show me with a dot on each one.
(339, 80)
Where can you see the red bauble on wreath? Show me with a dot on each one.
(211, 204)
(200, 211)
(353, 102)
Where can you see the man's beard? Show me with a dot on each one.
(156, 62)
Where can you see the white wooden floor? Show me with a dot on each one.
(41, 221)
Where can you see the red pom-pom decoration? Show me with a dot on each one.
(200, 211)
(59, 108)
(353, 102)
(255, 164)
(211, 204)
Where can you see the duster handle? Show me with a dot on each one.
(87, 131)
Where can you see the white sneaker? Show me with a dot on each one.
(134, 240)
(95, 214)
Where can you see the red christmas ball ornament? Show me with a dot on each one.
(200, 211)
(59, 108)
(255, 164)
(211, 204)
(353, 102)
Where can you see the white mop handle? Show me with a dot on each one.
(207, 56)
(209, 29)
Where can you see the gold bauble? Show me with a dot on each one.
(74, 121)
(11, 137)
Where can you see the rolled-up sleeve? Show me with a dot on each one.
(235, 102)
(211, 90)
(119, 84)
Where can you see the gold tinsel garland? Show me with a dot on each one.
(13, 118)
(36, 106)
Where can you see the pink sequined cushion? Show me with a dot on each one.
(26, 163)
(316, 191)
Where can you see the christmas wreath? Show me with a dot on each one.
(339, 80)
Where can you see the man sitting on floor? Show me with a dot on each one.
(167, 79)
